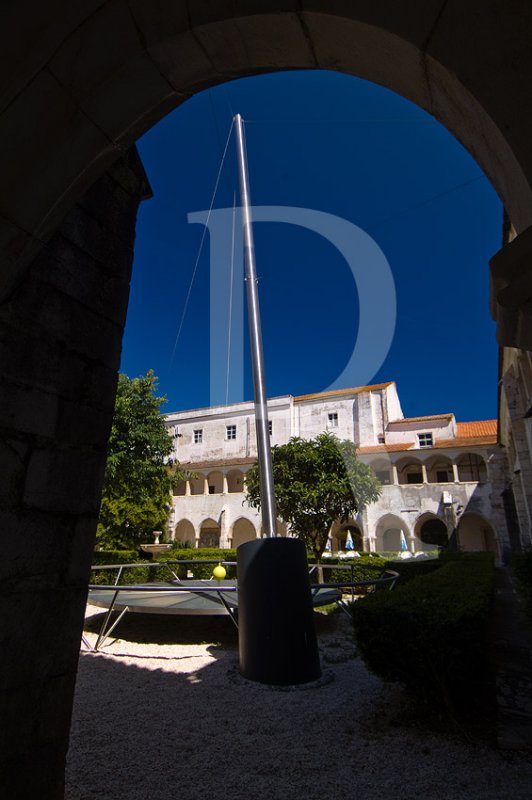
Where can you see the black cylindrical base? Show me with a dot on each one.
(277, 637)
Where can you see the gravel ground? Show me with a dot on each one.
(158, 715)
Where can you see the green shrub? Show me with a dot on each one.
(200, 571)
(432, 633)
(366, 568)
(413, 568)
(139, 574)
(115, 557)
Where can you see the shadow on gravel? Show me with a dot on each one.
(164, 629)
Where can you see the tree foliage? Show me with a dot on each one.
(138, 480)
(317, 482)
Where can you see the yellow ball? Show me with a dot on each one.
(219, 572)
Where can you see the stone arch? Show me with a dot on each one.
(180, 488)
(209, 534)
(242, 531)
(472, 467)
(235, 481)
(197, 485)
(339, 533)
(388, 533)
(91, 102)
(215, 480)
(439, 469)
(475, 532)
(409, 471)
(185, 533)
(431, 532)
(124, 93)
(382, 468)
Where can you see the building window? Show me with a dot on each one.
(198, 436)
(425, 439)
(333, 419)
(414, 477)
(380, 438)
(230, 431)
(212, 489)
(270, 427)
(383, 476)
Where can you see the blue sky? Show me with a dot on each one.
(340, 145)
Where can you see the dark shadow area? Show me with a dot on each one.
(162, 629)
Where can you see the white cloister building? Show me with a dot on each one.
(440, 477)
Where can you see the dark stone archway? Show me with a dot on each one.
(60, 341)
(79, 83)
(98, 73)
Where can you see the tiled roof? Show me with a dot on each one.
(386, 448)
(485, 427)
(471, 441)
(337, 392)
(466, 441)
(218, 462)
(420, 419)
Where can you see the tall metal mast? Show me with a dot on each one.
(267, 495)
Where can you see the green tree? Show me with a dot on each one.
(138, 477)
(317, 482)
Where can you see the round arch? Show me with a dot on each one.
(235, 481)
(340, 530)
(439, 469)
(197, 485)
(409, 471)
(242, 531)
(111, 97)
(209, 535)
(472, 467)
(82, 101)
(389, 533)
(382, 468)
(475, 533)
(431, 532)
(185, 533)
(215, 480)
(180, 488)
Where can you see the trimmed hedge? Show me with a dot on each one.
(116, 557)
(198, 570)
(414, 568)
(142, 574)
(366, 568)
(433, 632)
(371, 565)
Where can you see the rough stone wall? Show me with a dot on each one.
(60, 342)
(518, 446)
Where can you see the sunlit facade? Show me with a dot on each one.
(440, 478)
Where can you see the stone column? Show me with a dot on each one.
(456, 477)
(224, 531)
(206, 485)
(224, 485)
(60, 342)
(424, 477)
(187, 488)
(395, 476)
